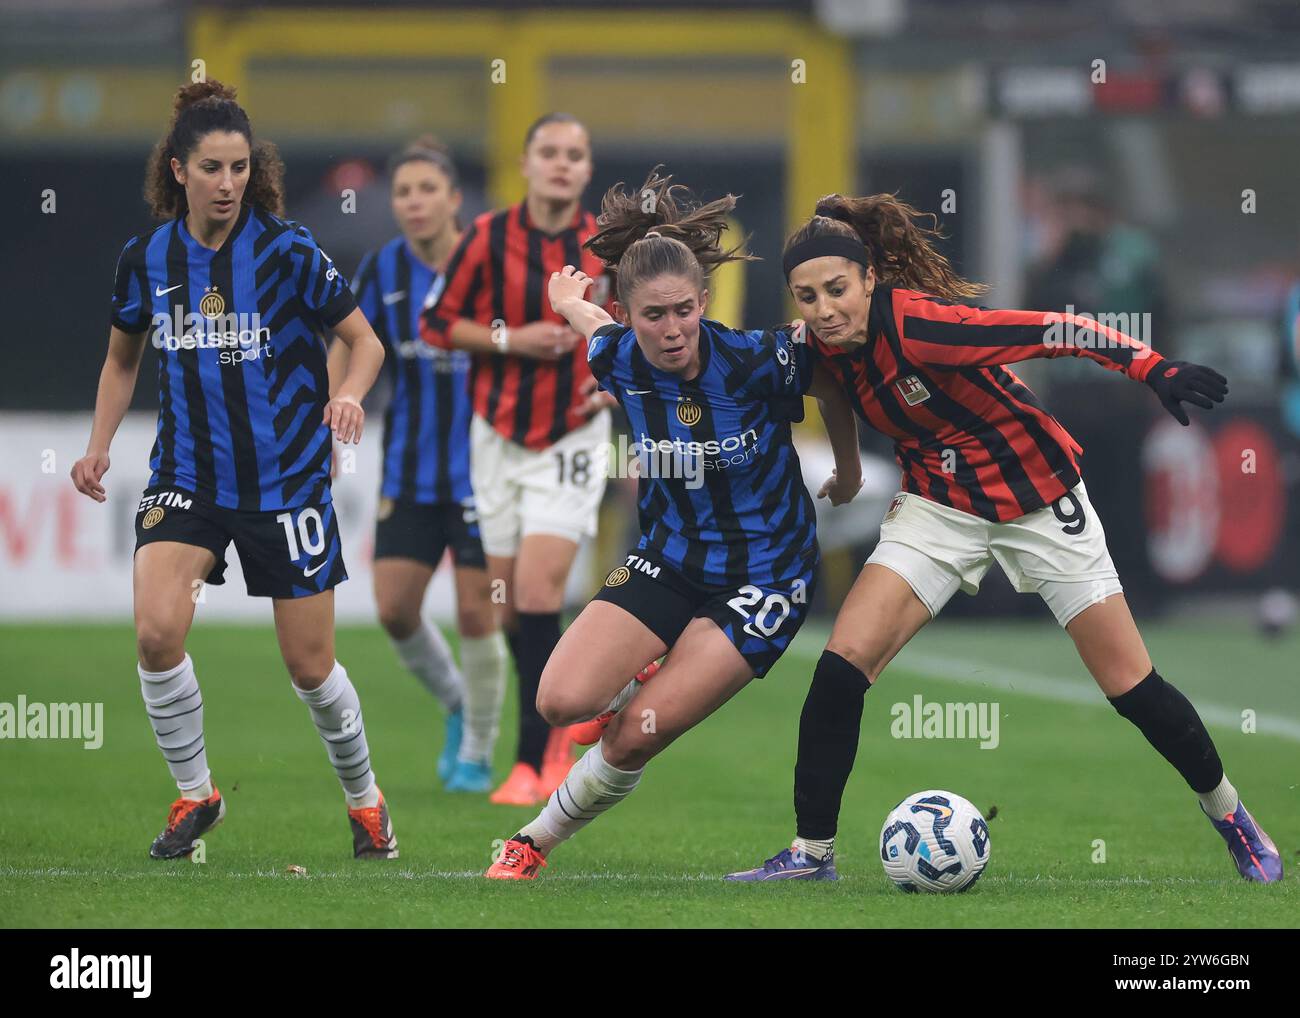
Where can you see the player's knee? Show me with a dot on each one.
(310, 666)
(159, 646)
(560, 706)
(870, 662)
(399, 620)
(475, 621)
(539, 596)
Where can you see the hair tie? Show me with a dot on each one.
(653, 233)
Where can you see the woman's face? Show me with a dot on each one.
(215, 175)
(665, 314)
(834, 298)
(424, 202)
(557, 162)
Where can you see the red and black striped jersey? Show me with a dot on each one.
(967, 432)
(499, 273)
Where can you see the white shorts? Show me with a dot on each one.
(556, 490)
(1058, 552)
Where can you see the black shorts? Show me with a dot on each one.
(284, 552)
(424, 531)
(760, 619)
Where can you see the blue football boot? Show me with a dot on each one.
(790, 864)
(470, 776)
(1253, 851)
(454, 732)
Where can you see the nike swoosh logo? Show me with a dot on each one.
(314, 570)
(158, 291)
(393, 298)
(639, 392)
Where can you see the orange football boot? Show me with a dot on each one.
(521, 788)
(519, 861)
(372, 831)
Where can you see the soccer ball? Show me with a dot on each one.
(934, 841)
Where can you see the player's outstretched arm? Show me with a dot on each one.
(842, 430)
(343, 413)
(963, 336)
(956, 335)
(116, 385)
(566, 292)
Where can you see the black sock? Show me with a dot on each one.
(1173, 727)
(828, 742)
(512, 639)
(538, 634)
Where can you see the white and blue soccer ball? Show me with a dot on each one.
(934, 841)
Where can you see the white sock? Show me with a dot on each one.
(1221, 801)
(427, 656)
(484, 661)
(592, 787)
(199, 792)
(336, 710)
(175, 707)
(814, 849)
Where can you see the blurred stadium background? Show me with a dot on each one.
(1120, 157)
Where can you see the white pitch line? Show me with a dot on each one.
(991, 675)
(1016, 880)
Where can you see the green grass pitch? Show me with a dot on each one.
(75, 824)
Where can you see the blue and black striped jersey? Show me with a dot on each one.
(426, 428)
(241, 364)
(722, 497)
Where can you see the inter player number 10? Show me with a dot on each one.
(312, 544)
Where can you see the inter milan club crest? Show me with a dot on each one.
(618, 577)
(689, 413)
(212, 304)
(913, 391)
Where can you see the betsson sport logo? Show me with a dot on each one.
(235, 337)
(713, 454)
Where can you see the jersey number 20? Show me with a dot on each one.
(767, 620)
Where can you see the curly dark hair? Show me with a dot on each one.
(199, 109)
(900, 246)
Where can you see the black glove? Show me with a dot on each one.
(1178, 381)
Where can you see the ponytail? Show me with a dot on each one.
(199, 109)
(661, 229)
(899, 244)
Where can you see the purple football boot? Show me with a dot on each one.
(1253, 851)
(790, 864)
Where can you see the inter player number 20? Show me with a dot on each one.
(767, 620)
(312, 544)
